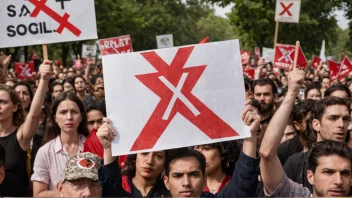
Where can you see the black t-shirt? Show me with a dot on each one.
(296, 168)
(16, 179)
(288, 148)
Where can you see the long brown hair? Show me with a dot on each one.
(52, 130)
(18, 116)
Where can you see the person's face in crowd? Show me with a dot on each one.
(70, 74)
(7, 108)
(23, 92)
(340, 94)
(333, 124)
(99, 87)
(80, 85)
(265, 96)
(185, 178)
(313, 94)
(302, 126)
(150, 165)
(61, 76)
(343, 81)
(213, 158)
(289, 133)
(94, 120)
(2, 174)
(57, 90)
(68, 116)
(284, 81)
(249, 93)
(67, 86)
(332, 177)
(80, 188)
(10, 83)
(311, 76)
(79, 72)
(64, 71)
(325, 83)
(272, 77)
(316, 79)
(263, 72)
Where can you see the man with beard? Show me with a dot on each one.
(265, 92)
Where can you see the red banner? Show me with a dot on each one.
(117, 45)
(285, 54)
(334, 69)
(249, 72)
(245, 56)
(315, 62)
(345, 69)
(24, 70)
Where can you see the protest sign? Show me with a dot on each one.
(35, 22)
(268, 54)
(345, 69)
(334, 69)
(116, 45)
(315, 62)
(165, 41)
(284, 56)
(287, 11)
(183, 96)
(245, 57)
(249, 72)
(89, 51)
(24, 70)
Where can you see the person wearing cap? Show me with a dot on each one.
(80, 177)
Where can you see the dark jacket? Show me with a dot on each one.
(242, 184)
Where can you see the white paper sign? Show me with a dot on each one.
(165, 41)
(287, 11)
(89, 50)
(268, 54)
(33, 22)
(175, 97)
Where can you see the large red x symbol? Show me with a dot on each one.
(186, 104)
(286, 9)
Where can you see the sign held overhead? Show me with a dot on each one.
(287, 11)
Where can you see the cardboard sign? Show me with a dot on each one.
(245, 57)
(24, 70)
(315, 62)
(89, 51)
(285, 54)
(175, 97)
(34, 22)
(116, 45)
(268, 54)
(334, 69)
(165, 41)
(345, 69)
(249, 72)
(287, 11)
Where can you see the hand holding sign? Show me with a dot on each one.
(46, 69)
(251, 118)
(106, 134)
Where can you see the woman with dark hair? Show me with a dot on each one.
(312, 92)
(17, 131)
(220, 163)
(68, 85)
(65, 133)
(80, 87)
(24, 90)
(142, 172)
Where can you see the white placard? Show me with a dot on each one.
(34, 22)
(268, 54)
(175, 97)
(287, 11)
(165, 41)
(89, 50)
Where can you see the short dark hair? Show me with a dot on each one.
(337, 87)
(95, 77)
(2, 156)
(54, 85)
(247, 84)
(327, 148)
(311, 87)
(95, 106)
(184, 153)
(263, 82)
(301, 110)
(321, 105)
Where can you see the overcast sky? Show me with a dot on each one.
(341, 20)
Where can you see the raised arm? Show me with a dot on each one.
(4, 63)
(271, 169)
(27, 130)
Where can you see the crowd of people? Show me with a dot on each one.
(55, 140)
